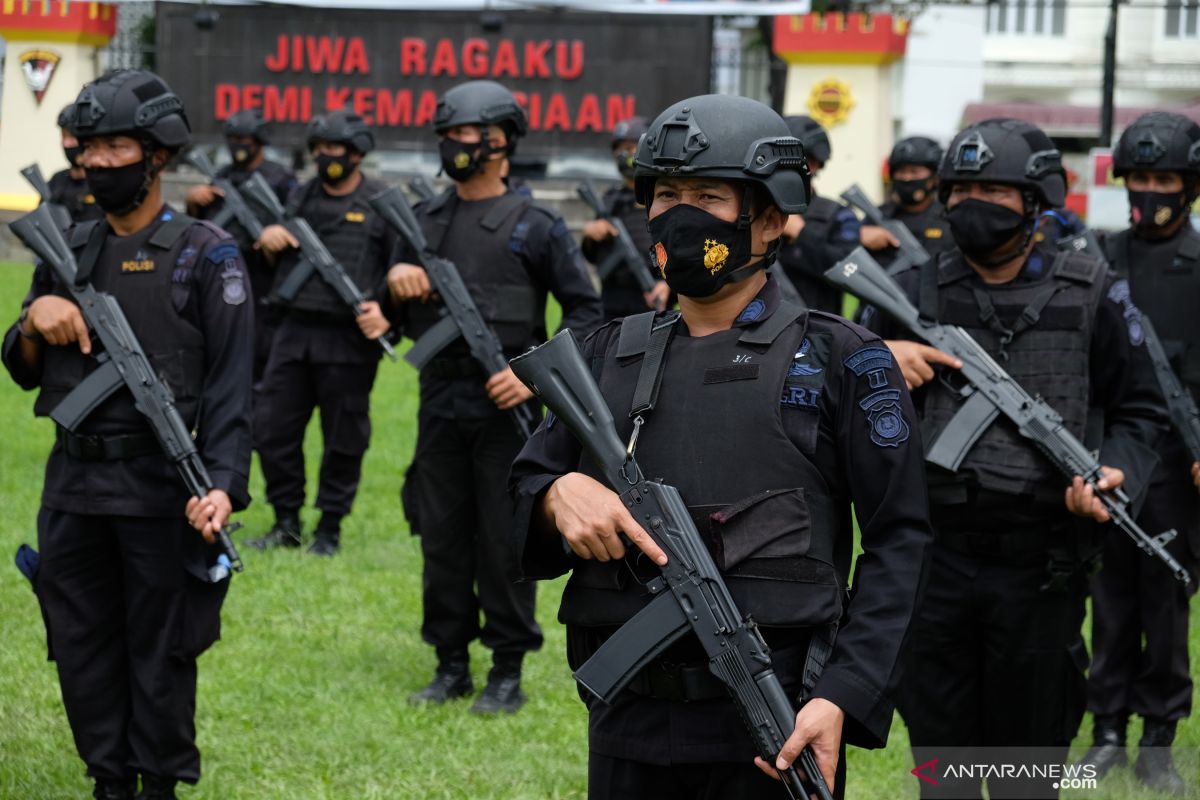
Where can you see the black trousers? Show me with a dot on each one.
(458, 500)
(622, 779)
(126, 623)
(995, 662)
(1135, 596)
(293, 385)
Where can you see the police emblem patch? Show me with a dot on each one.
(1162, 215)
(888, 426)
(660, 257)
(799, 366)
(334, 170)
(462, 161)
(752, 312)
(233, 287)
(715, 255)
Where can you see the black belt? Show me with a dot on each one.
(107, 448)
(692, 681)
(453, 368)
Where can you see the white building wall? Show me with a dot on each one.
(942, 71)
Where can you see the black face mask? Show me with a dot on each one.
(334, 169)
(242, 154)
(119, 190)
(72, 154)
(1150, 211)
(982, 229)
(624, 163)
(911, 193)
(698, 253)
(460, 160)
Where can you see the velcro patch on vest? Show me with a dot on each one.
(356, 216)
(1119, 294)
(889, 428)
(732, 372)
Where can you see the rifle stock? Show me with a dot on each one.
(235, 206)
(33, 174)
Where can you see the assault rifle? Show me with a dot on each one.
(422, 188)
(123, 363)
(624, 250)
(234, 206)
(33, 174)
(316, 257)
(1184, 414)
(991, 392)
(691, 594)
(462, 317)
(911, 253)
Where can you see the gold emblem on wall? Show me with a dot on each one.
(830, 102)
(38, 68)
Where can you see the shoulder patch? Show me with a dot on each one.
(223, 252)
(889, 428)
(233, 285)
(869, 359)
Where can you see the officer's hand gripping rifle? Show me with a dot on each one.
(123, 363)
(33, 174)
(691, 594)
(624, 250)
(911, 253)
(462, 316)
(990, 392)
(235, 205)
(316, 257)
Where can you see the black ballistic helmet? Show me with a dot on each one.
(722, 136)
(915, 150)
(249, 122)
(341, 127)
(628, 130)
(814, 137)
(66, 118)
(480, 103)
(1006, 151)
(1159, 140)
(132, 102)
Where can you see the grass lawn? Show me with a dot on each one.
(304, 696)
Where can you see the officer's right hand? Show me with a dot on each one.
(275, 239)
(1196, 475)
(203, 195)
(58, 321)
(598, 230)
(876, 237)
(409, 282)
(916, 361)
(591, 517)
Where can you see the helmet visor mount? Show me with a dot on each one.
(972, 155)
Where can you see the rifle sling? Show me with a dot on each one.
(91, 253)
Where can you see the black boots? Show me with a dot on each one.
(156, 788)
(1108, 743)
(451, 680)
(285, 533)
(1154, 766)
(114, 789)
(503, 691)
(327, 537)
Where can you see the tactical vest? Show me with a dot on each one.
(1167, 287)
(146, 280)
(348, 239)
(491, 264)
(716, 433)
(930, 226)
(1049, 356)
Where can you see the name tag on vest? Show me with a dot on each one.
(138, 265)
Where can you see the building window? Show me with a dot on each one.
(1031, 17)
(1182, 19)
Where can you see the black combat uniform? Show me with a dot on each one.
(830, 232)
(929, 226)
(510, 253)
(320, 359)
(769, 430)
(620, 291)
(123, 582)
(73, 194)
(262, 273)
(998, 659)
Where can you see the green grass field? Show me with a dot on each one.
(305, 695)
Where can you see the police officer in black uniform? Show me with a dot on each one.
(510, 253)
(620, 291)
(123, 580)
(998, 659)
(824, 234)
(771, 420)
(246, 134)
(912, 173)
(68, 187)
(323, 356)
(1134, 600)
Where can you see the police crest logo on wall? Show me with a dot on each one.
(38, 67)
(715, 255)
(830, 102)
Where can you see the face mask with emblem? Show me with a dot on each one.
(242, 154)
(334, 169)
(460, 160)
(1150, 211)
(911, 193)
(698, 253)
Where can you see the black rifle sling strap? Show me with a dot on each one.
(91, 253)
(641, 334)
